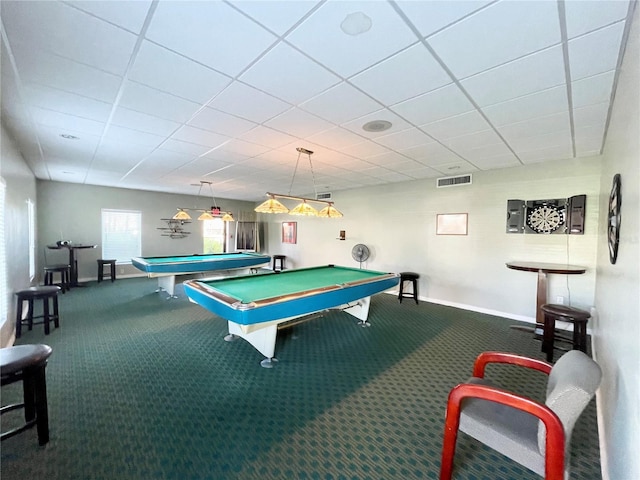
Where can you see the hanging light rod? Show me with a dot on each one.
(214, 212)
(272, 205)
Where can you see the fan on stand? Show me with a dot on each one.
(360, 253)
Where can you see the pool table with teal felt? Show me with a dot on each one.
(254, 305)
(167, 267)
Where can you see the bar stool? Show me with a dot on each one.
(408, 277)
(112, 269)
(568, 314)
(27, 363)
(45, 293)
(279, 259)
(65, 275)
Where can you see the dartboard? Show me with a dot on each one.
(613, 226)
(545, 218)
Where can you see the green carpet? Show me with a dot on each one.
(144, 388)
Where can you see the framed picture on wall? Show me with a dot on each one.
(289, 233)
(451, 224)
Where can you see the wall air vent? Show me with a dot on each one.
(456, 181)
(323, 196)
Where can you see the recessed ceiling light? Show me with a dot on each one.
(356, 24)
(68, 137)
(376, 126)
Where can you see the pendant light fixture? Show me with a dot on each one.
(211, 214)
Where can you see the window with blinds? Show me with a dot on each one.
(121, 234)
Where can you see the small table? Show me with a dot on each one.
(254, 305)
(73, 261)
(166, 268)
(543, 269)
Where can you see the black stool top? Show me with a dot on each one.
(55, 268)
(280, 256)
(409, 275)
(17, 358)
(102, 260)
(565, 311)
(39, 291)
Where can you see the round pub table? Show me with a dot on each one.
(543, 269)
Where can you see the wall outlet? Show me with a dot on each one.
(560, 300)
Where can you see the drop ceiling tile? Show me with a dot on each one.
(336, 138)
(220, 122)
(159, 104)
(192, 28)
(126, 136)
(127, 14)
(430, 17)
(593, 115)
(190, 134)
(160, 162)
(500, 33)
(131, 119)
(49, 118)
(539, 104)
(164, 70)
(247, 102)
(589, 138)
(364, 149)
(458, 125)
(473, 140)
(46, 26)
(66, 75)
(583, 17)
(453, 169)
(50, 140)
(179, 146)
(526, 75)
(277, 16)
(535, 127)
(113, 152)
(421, 73)
(592, 90)
(243, 148)
(523, 145)
(388, 159)
(199, 167)
(506, 160)
(275, 74)
(299, 123)
(423, 172)
(606, 42)
(268, 137)
(340, 104)
(64, 102)
(348, 54)
(404, 139)
(481, 153)
(431, 154)
(554, 152)
(433, 106)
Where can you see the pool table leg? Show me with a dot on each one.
(168, 284)
(360, 310)
(263, 340)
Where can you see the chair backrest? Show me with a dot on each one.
(572, 383)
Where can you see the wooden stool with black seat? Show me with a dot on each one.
(278, 259)
(65, 275)
(27, 363)
(550, 335)
(112, 269)
(408, 277)
(45, 293)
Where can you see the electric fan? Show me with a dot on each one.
(360, 253)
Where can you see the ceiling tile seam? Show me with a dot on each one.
(93, 15)
(456, 81)
(461, 19)
(20, 88)
(125, 76)
(562, 19)
(621, 53)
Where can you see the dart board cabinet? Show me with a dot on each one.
(551, 216)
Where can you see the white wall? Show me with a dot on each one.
(71, 211)
(397, 222)
(21, 186)
(617, 335)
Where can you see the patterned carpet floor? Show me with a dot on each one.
(144, 388)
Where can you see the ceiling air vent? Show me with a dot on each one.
(454, 181)
(323, 196)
